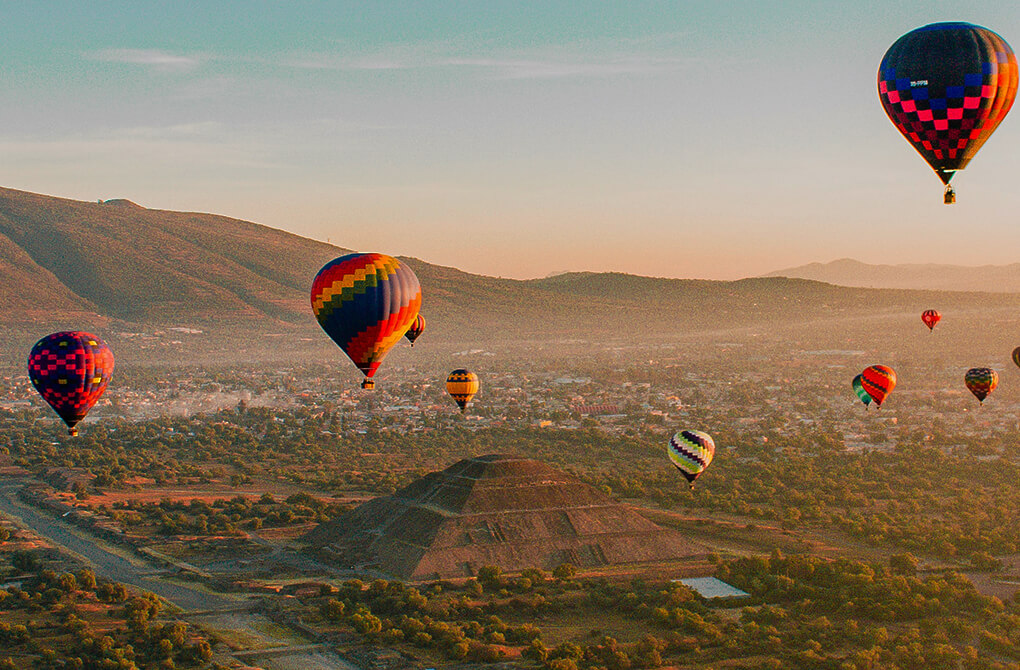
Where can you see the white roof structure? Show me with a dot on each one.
(710, 587)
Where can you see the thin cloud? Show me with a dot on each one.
(153, 58)
(328, 62)
(512, 68)
(577, 60)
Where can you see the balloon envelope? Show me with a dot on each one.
(462, 385)
(71, 371)
(1016, 356)
(981, 382)
(691, 451)
(416, 329)
(946, 87)
(859, 390)
(878, 381)
(365, 303)
(930, 318)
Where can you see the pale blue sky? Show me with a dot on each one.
(689, 139)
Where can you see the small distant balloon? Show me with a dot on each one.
(71, 371)
(860, 391)
(416, 329)
(878, 381)
(981, 382)
(1016, 356)
(691, 452)
(930, 318)
(462, 385)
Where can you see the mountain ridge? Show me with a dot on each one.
(916, 276)
(87, 263)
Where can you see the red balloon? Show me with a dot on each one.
(878, 381)
(930, 318)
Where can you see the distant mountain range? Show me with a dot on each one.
(927, 276)
(67, 263)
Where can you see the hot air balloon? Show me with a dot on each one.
(981, 382)
(861, 393)
(691, 451)
(70, 370)
(946, 87)
(1016, 356)
(878, 381)
(416, 329)
(365, 303)
(930, 318)
(462, 385)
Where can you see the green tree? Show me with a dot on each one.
(564, 571)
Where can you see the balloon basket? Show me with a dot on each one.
(368, 384)
(73, 432)
(949, 197)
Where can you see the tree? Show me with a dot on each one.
(67, 583)
(87, 580)
(564, 571)
(25, 561)
(903, 564)
(490, 577)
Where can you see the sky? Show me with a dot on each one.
(706, 139)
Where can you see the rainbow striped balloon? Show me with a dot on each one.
(691, 451)
(365, 303)
(462, 385)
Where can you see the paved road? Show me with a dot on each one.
(105, 561)
(129, 569)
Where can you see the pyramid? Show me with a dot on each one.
(507, 511)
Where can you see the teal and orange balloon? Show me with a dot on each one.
(860, 391)
(416, 329)
(365, 303)
(981, 382)
(691, 452)
(71, 370)
(462, 385)
(878, 381)
(947, 87)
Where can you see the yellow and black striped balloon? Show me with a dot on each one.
(462, 385)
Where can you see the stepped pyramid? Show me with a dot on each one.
(495, 510)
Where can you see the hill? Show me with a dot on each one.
(127, 262)
(117, 265)
(926, 276)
